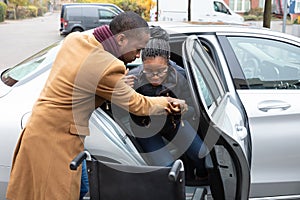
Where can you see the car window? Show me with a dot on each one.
(116, 10)
(267, 64)
(211, 91)
(203, 86)
(219, 7)
(106, 14)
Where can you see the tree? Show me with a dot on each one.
(142, 7)
(189, 10)
(267, 14)
(19, 2)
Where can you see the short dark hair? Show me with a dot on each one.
(129, 22)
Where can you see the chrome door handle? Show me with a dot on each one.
(268, 105)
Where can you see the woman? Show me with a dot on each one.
(158, 76)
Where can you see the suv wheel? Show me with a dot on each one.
(77, 29)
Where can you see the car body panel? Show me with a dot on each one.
(274, 146)
(273, 112)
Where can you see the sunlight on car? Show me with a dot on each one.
(29, 66)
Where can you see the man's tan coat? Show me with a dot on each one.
(82, 77)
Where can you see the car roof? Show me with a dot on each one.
(89, 6)
(183, 27)
(106, 5)
(188, 27)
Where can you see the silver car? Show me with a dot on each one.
(112, 140)
(261, 70)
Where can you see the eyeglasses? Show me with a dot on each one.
(159, 73)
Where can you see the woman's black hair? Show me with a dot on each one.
(158, 45)
(158, 32)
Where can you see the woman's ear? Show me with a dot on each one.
(121, 40)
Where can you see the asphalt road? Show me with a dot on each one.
(22, 38)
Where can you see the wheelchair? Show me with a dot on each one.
(111, 181)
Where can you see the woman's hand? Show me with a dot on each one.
(129, 79)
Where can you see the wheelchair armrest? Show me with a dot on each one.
(175, 169)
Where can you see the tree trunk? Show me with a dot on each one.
(157, 10)
(189, 10)
(267, 14)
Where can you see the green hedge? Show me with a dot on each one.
(3, 8)
(24, 12)
(41, 10)
(33, 11)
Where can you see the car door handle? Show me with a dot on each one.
(269, 105)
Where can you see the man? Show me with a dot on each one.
(87, 71)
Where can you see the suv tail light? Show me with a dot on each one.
(65, 23)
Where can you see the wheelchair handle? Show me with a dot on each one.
(78, 160)
(176, 168)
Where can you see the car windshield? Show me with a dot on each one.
(29, 66)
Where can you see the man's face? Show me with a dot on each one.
(131, 49)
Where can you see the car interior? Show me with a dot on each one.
(264, 66)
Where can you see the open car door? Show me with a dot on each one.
(221, 125)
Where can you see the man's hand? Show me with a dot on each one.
(176, 106)
(129, 79)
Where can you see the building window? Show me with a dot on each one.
(297, 7)
(239, 5)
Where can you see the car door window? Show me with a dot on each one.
(105, 14)
(267, 64)
(219, 7)
(209, 88)
(220, 106)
